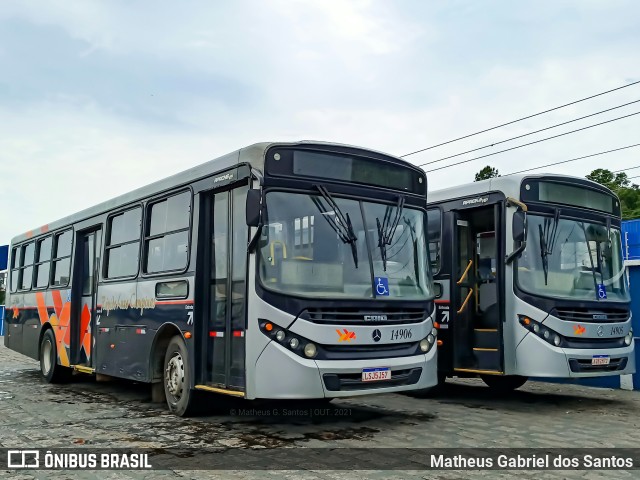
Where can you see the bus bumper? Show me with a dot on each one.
(297, 377)
(536, 358)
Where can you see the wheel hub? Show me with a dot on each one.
(46, 357)
(174, 375)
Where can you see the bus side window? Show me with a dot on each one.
(167, 234)
(123, 243)
(434, 232)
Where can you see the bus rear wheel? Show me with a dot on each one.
(176, 378)
(504, 384)
(51, 371)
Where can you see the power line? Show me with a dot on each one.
(530, 143)
(520, 119)
(573, 159)
(625, 169)
(530, 133)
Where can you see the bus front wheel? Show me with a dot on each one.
(504, 384)
(176, 378)
(51, 371)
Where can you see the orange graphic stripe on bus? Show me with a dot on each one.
(85, 321)
(57, 302)
(43, 313)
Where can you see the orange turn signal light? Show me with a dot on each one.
(187, 335)
(439, 343)
(436, 324)
(526, 320)
(268, 327)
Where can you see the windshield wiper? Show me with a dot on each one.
(548, 237)
(387, 229)
(593, 268)
(337, 220)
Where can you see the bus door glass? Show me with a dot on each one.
(227, 313)
(463, 285)
(83, 327)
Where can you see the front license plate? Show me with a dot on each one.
(376, 374)
(600, 360)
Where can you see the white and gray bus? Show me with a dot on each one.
(529, 280)
(281, 270)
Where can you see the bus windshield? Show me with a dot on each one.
(572, 259)
(331, 247)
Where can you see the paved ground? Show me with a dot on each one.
(119, 414)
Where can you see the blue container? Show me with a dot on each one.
(4, 256)
(631, 239)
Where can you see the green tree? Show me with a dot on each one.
(619, 183)
(486, 173)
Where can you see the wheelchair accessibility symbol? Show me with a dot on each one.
(602, 291)
(382, 286)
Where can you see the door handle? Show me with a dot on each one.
(466, 300)
(466, 271)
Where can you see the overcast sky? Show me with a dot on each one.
(100, 97)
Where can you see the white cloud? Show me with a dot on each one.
(98, 98)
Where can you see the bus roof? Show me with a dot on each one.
(252, 154)
(509, 185)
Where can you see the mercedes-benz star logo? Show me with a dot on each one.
(600, 331)
(376, 335)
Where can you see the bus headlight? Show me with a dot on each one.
(541, 331)
(310, 350)
(289, 340)
(629, 337)
(425, 344)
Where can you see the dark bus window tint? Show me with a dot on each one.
(122, 261)
(434, 232)
(167, 244)
(26, 266)
(43, 264)
(125, 227)
(44, 250)
(27, 254)
(42, 274)
(178, 209)
(15, 273)
(124, 244)
(61, 272)
(27, 273)
(63, 244)
(170, 214)
(14, 280)
(168, 252)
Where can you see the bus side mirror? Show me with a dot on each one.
(253, 208)
(520, 226)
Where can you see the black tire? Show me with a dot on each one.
(176, 378)
(504, 384)
(51, 371)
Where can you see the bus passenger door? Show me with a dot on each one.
(84, 294)
(225, 350)
(476, 290)
(463, 300)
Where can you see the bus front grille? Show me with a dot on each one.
(585, 366)
(601, 315)
(359, 316)
(353, 381)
